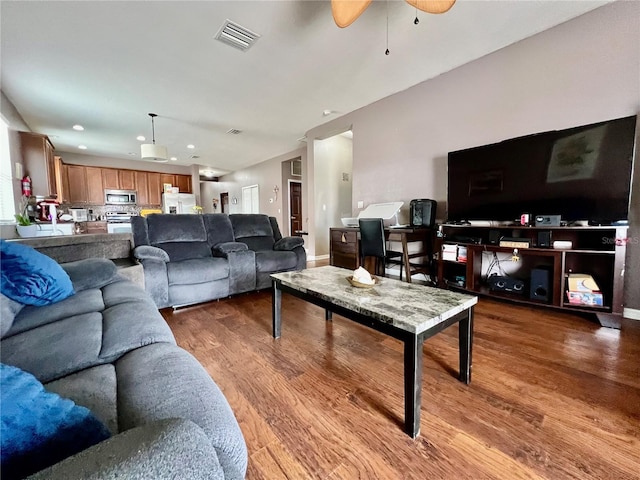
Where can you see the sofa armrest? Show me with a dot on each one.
(222, 249)
(147, 252)
(288, 243)
(173, 448)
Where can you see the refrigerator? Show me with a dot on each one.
(178, 203)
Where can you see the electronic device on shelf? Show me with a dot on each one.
(505, 284)
(581, 173)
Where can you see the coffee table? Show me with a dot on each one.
(405, 311)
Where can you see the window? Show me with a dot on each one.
(7, 205)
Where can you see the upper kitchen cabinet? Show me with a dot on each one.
(183, 182)
(38, 162)
(127, 179)
(116, 179)
(110, 179)
(154, 184)
(85, 185)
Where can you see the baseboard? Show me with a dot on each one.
(632, 313)
(311, 258)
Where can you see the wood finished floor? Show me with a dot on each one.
(552, 396)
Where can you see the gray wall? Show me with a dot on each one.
(583, 71)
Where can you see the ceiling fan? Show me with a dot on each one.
(345, 12)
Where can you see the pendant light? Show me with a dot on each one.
(151, 151)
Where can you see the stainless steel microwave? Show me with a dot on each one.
(120, 197)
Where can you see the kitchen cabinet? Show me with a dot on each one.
(141, 181)
(155, 188)
(61, 179)
(126, 179)
(110, 178)
(96, 227)
(183, 182)
(85, 185)
(38, 162)
(95, 190)
(77, 179)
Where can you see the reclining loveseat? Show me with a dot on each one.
(190, 259)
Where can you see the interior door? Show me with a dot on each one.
(295, 209)
(224, 202)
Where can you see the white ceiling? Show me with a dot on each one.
(107, 64)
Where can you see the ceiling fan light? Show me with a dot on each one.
(432, 6)
(151, 151)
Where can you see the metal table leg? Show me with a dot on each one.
(412, 385)
(276, 309)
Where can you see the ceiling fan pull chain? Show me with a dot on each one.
(416, 21)
(386, 52)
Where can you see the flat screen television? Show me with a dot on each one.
(581, 173)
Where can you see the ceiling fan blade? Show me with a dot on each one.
(345, 12)
(432, 6)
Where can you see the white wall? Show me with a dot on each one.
(583, 71)
(333, 158)
(266, 175)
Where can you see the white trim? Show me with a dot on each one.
(631, 313)
(311, 258)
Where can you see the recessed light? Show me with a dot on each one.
(174, 158)
(191, 146)
(82, 147)
(140, 138)
(326, 113)
(79, 128)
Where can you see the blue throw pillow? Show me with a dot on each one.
(40, 428)
(30, 277)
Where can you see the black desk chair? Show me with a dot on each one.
(374, 244)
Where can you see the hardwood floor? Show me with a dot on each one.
(552, 395)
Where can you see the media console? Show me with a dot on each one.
(598, 251)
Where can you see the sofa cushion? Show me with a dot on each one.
(90, 273)
(197, 271)
(57, 349)
(8, 311)
(94, 388)
(175, 228)
(31, 317)
(179, 251)
(275, 261)
(30, 277)
(40, 428)
(218, 227)
(253, 229)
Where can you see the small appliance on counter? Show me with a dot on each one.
(48, 210)
(79, 214)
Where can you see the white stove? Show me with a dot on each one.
(118, 222)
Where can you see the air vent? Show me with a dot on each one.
(237, 36)
(234, 131)
(194, 157)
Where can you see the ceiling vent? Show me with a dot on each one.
(234, 131)
(237, 36)
(194, 157)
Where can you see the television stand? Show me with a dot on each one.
(598, 251)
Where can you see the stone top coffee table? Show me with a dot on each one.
(405, 311)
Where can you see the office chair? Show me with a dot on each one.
(373, 244)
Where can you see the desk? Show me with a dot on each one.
(345, 247)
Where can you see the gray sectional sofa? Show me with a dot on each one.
(108, 348)
(189, 259)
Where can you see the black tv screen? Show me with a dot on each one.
(581, 173)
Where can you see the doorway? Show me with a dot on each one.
(250, 199)
(295, 207)
(224, 202)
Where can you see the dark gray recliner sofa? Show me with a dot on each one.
(108, 348)
(190, 259)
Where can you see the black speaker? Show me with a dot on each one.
(423, 212)
(544, 239)
(540, 286)
(506, 284)
(494, 237)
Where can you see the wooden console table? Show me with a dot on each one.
(345, 248)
